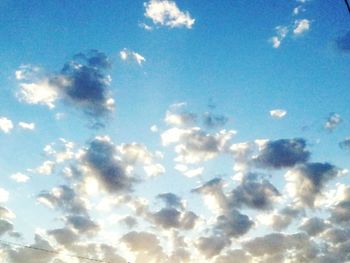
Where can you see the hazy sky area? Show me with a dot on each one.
(174, 131)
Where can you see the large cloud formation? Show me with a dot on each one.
(82, 83)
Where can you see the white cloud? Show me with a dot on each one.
(301, 26)
(6, 125)
(126, 54)
(46, 168)
(26, 71)
(26, 125)
(20, 178)
(166, 13)
(281, 33)
(4, 195)
(278, 113)
(41, 92)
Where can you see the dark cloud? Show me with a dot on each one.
(285, 217)
(340, 212)
(65, 198)
(129, 221)
(64, 236)
(239, 256)
(5, 213)
(110, 172)
(171, 200)
(20, 255)
(233, 224)
(213, 121)
(84, 83)
(82, 224)
(345, 144)
(253, 194)
(314, 226)
(343, 42)
(211, 246)
(110, 255)
(308, 180)
(283, 153)
(5, 226)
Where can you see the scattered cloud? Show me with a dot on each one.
(333, 121)
(278, 113)
(20, 178)
(126, 54)
(6, 125)
(26, 125)
(301, 26)
(167, 13)
(4, 195)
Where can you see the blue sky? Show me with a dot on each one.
(175, 131)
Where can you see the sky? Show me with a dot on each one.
(174, 131)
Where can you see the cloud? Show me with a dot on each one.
(283, 218)
(194, 145)
(171, 200)
(278, 113)
(333, 121)
(126, 54)
(26, 125)
(282, 153)
(343, 42)
(281, 33)
(6, 125)
(301, 26)
(20, 178)
(345, 144)
(4, 195)
(306, 182)
(254, 194)
(64, 236)
(340, 212)
(6, 213)
(240, 256)
(110, 172)
(166, 13)
(314, 226)
(20, 255)
(169, 218)
(5, 226)
(64, 198)
(211, 246)
(180, 119)
(82, 224)
(213, 121)
(46, 168)
(82, 83)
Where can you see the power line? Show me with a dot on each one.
(8, 243)
(348, 5)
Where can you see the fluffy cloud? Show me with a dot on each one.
(314, 226)
(105, 166)
(211, 246)
(282, 153)
(195, 145)
(278, 113)
(306, 182)
(333, 121)
(5, 226)
(281, 33)
(254, 194)
(340, 212)
(20, 178)
(343, 42)
(6, 125)
(180, 119)
(301, 26)
(26, 125)
(166, 13)
(4, 195)
(240, 256)
(82, 82)
(126, 54)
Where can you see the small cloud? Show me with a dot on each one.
(154, 128)
(126, 54)
(26, 125)
(146, 27)
(278, 113)
(166, 13)
(4, 195)
(6, 125)
(345, 144)
(46, 168)
(301, 26)
(333, 121)
(26, 72)
(20, 178)
(281, 33)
